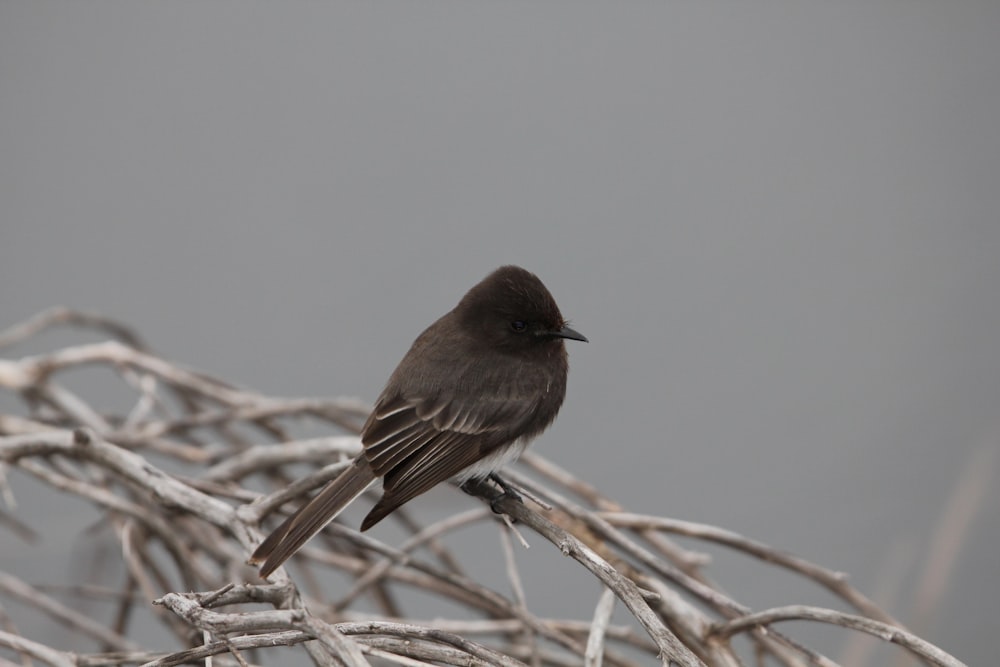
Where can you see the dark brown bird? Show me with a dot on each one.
(468, 397)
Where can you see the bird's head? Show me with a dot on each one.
(515, 311)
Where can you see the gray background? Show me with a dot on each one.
(777, 223)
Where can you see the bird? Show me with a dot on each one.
(474, 389)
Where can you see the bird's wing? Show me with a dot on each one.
(415, 444)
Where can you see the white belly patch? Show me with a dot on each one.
(494, 461)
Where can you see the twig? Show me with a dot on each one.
(883, 631)
(834, 581)
(599, 629)
(35, 650)
(71, 619)
(61, 315)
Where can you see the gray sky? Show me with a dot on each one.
(776, 222)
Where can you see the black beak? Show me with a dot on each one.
(566, 332)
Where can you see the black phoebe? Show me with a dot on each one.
(468, 397)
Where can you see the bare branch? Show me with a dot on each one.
(185, 472)
(834, 581)
(36, 650)
(598, 631)
(84, 624)
(883, 631)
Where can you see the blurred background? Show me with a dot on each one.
(776, 222)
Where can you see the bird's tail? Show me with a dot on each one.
(296, 530)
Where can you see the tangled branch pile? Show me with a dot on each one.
(174, 477)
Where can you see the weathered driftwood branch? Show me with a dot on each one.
(185, 474)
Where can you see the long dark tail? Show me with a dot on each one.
(296, 530)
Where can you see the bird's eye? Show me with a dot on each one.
(518, 325)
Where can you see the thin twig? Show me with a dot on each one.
(599, 628)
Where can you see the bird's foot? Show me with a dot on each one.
(507, 491)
